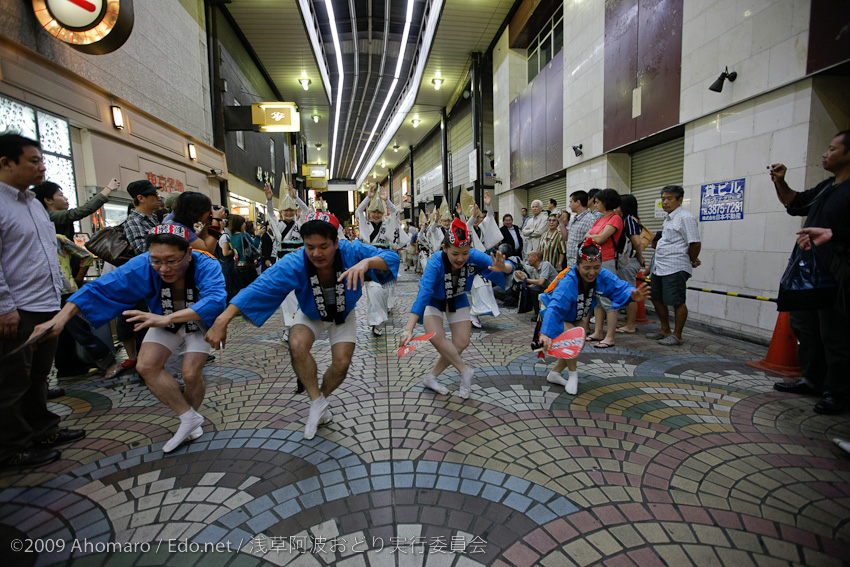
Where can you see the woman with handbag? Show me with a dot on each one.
(605, 232)
(246, 254)
(629, 254)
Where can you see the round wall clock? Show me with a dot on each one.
(90, 26)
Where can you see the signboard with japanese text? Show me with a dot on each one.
(722, 201)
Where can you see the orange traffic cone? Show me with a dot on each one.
(641, 310)
(782, 354)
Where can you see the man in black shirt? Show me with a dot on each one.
(824, 330)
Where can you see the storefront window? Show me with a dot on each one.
(53, 133)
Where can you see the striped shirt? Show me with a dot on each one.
(30, 277)
(671, 253)
(579, 226)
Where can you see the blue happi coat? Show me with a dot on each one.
(262, 298)
(432, 288)
(120, 290)
(561, 302)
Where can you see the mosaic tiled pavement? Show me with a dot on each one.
(667, 456)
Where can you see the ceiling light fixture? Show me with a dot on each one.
(395, 148)
(383, 163)
(312, 29)
(318, 145)
(437, 82)
(408, 98)
(416, 122)
(408, 18)
(341, 82)
(316, 118)
(193, 152)
(305, 82)
(717, 86)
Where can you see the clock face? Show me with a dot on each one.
(90, 26)
(77, 14)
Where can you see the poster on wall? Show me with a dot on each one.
(658, 211)
(722, 201)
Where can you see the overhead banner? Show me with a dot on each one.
(722, 201)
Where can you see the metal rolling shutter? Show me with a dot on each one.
(652, 169)
(555, 189)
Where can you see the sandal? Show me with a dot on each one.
(625, 330)
(592, 338)
(603, 344)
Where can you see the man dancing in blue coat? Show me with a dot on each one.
(327, 276)
(185, 292)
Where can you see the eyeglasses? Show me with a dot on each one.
(167, 264)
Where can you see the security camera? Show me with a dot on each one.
(215, 171)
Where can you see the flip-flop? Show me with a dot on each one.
(593, 339)
(603, 345)
(624, 330)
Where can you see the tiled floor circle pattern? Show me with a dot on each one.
(667, 456)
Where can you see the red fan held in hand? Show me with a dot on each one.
(414, 344)
(568, 344)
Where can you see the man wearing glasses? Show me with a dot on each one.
(185, 292)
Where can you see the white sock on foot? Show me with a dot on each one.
(317, 410)
(326, 418)
(466, 382)
(556, 378)
(431, 383)
(189, 421)
(572, 384)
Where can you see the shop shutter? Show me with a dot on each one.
(652, 169)
(555, 189)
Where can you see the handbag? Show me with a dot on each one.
(110, 244)
(524, 299)
(806, 284)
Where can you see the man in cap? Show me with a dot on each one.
(327, 276)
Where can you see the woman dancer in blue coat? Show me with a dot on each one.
(442, 290)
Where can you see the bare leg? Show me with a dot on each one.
(131, 349)
(680, 312)
(664, 317)
(611, 320)
(631, 316)
(192, 370)
(301, 340)
(598, 333)
(340, 360)
(449, 350)
(151, 366)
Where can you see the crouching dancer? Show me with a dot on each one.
(185, 292)
(327, 276)
(442, 290)
(570, 300)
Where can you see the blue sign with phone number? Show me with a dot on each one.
(722, 201)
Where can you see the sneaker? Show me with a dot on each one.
(476, 322)
(189, 422)
(377, 330)
(466, 383)
(114, 371)
(30, 458)
(317, 411)
(670, 340)
(431, 383)
(63, 436)
(326, 418)
(655, 336)
(555, 378)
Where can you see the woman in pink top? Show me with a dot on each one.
(606, 232)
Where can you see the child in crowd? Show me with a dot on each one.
(442, 290)
(570, 299)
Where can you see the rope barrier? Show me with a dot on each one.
(727, 293)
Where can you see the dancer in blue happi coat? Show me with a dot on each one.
(327, 277)
(443, 290)
(185, 292)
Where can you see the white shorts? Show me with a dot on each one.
(192, 342)
(345, 333)
(458, 316)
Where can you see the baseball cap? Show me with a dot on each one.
(142, 187)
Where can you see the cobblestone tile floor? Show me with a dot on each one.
(667, 456)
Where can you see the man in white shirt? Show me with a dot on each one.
(30, 280)
(535, 228)
(676, 255)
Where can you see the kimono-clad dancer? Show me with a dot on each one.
(287, 239)
(185, 292)
(572, 300)
(379, 232)
(423, 245)
(439, 229)
(485, 235)
(442, 290)
(327, 277)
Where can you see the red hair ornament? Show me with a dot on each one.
(174, 229)
(325, 217)
(458, 234)
(590, 257)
